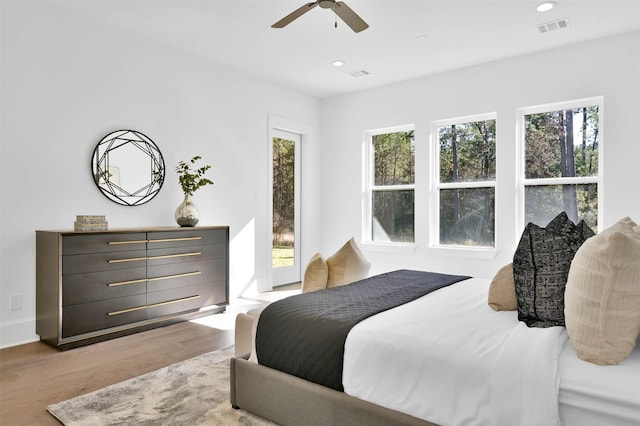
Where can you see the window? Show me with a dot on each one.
(465, 181)
(561, 156)
(391, 186)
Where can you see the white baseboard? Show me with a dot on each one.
(18, 332)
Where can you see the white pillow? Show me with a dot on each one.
(602, 296)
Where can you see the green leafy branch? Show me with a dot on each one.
(192, 178)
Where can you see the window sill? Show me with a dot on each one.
(445, 251)
(403, 248)
(468, 252)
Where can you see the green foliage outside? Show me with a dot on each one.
(394, 164)
(283, 192)
(561, 144)
(467, 154)
(394, 158)
(282, 256)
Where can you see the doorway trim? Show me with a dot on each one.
(291, 126)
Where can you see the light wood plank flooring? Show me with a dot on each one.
(35, 375)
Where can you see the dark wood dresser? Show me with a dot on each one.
(94, 286)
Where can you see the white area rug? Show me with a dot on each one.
(191, 392)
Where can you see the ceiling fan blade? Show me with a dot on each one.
(349, 17)
(294, 15)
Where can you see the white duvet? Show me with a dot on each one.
(450, 359)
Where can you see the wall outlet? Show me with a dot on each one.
(16, 302)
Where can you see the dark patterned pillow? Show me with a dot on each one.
(540, 268)
(584, 230)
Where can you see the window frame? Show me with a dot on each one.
(436, 186)
(369, 187)
(521, 161)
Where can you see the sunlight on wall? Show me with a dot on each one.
(242, 261)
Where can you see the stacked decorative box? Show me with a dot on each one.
(90, 223)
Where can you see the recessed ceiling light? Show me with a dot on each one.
(338, 63)
(546, 6)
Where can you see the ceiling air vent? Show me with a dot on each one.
(553, 25)
(359, 73)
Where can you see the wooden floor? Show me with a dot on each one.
(35, 375)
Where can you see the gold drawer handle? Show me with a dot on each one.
(168, 256)
(166, 277)
(137, 308)
(184, 299)
(163, 240)
(166, 240)
(130, 259)
(115, 243)
(127, 282)
(124, 311)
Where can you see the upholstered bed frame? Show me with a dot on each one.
(289, 400)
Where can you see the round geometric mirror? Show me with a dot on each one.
(128, 167)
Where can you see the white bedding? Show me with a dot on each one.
(450, 359)
(599, 395)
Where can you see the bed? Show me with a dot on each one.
(471, 365)
(443, 358)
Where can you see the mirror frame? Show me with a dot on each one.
(111, 188)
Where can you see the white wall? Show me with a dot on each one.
(68, 81)
(607, 67)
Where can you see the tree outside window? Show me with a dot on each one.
(466, 181)
(561, 153)
(392, 187)
(284, 156)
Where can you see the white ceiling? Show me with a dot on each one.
(406, 38)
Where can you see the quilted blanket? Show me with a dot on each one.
(305, 335)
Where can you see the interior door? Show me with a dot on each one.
(285, 191)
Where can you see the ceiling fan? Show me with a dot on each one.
(340, 8)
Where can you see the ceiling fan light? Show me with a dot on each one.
(546, 6)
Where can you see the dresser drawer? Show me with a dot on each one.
(166, 277)
(186, 238)
(179, 300)
(83, 263)
(94, 286)
(185, 254)
(209, 293)
(101, 243)
(87, 317)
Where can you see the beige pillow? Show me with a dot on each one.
(316, 274)
(502, 291)
(347, 265)
(602, 297)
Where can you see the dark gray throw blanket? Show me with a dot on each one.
(304, 335)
